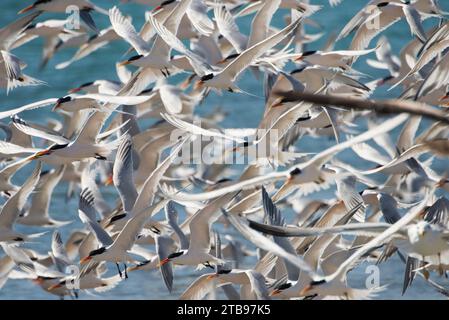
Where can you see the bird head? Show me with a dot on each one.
(199, 84)
(92, 254)
(308, 290)
(60, 101)
(130, 60)
(280, 289)
(57, 285)
(81, 87)
(219, 273)
(26, 9)
(294, 173)
(170, 258)
(444, 99)
(304, 55)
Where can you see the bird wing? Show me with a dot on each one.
(38, 132)
(247, 57)
(388, 206)
(229, 29)
(381, 238)
(126, 30)
(197, 13)
(199, 288)
(261, 22)
(163, 246)
(123, 174)
(14, 205)
(194, 129)
(9, 33)
(146, 195)
(172, 217)
(200, 223)
(268, 245)
(199, 64)
(40, 200)
(88, 216)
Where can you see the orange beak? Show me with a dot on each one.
(85, 260)
(444, 101)
(212, 276)
(109, 181)
(124, 63)
(300, 58)
(277, 103)
(157, 8)
(275, 293)
(305, 290)
(163, 262)
(39, 154)
(75, 90)
(57, 106)
(198, 85)
(133, 268)
(26, 9)
(38, 280)
(55, 286)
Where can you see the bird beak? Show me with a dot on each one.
(133, 268)
(31, 7)
(443, 100)
(85, 260)
(305, 290)
(300, 58)
(275, 292)
(212, 276)
(109, 181)
(157, 8)
(198, 85)
(124, 63)
(163, 262)
(57, 106)
(39, 154)
(74, 90)
(222, 61)
(277, 103)
(55, 286)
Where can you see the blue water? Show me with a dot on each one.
(246, 113)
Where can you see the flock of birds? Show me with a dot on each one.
(169, 213)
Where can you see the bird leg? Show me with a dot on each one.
(425, 272)
(126, 271)
(119, 271)
(440, 267)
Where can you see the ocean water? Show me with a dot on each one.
(244, 114)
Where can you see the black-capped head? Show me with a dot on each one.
(284, 286)
(295, 172)
(57, 147)
(224, 271)
(309, 53)
(207, 77)
(97, 252)
(382, 4)
(63, 100)
(87, 84)
(134, 58)
(175, 254)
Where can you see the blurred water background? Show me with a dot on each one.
(243, 112)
